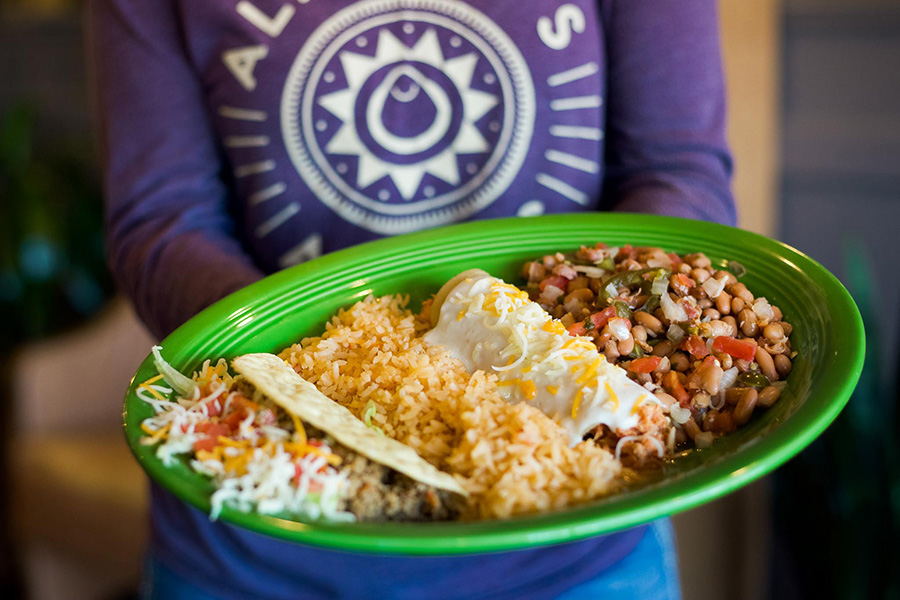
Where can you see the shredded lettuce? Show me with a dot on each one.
(184, 386)
(371, 409)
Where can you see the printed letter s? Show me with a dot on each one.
(568, 18)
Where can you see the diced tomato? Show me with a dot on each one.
(645, 364)
(676, 260)
(576, 328)
(743, 349)
(695, 345)
(239, 402)
(600, 319)
(673, 386)
(214, 407)
(625, 252)
(205, 443)
(710, 360)
(234, 419)
(298, 473)
(212, 429)
(690, 308)
(554, 280)
(682, 283)
(314, 443)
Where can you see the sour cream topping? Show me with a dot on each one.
(493, 326)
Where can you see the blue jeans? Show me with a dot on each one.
(649, 572)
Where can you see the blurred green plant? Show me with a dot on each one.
(52, 270)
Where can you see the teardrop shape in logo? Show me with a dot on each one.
(407, 146)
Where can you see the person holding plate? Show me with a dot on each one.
(241, 137)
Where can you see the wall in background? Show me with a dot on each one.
(751, 40)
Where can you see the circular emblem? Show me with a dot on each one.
(406, 114)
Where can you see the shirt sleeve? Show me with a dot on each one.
(665, 139)
(170, 240)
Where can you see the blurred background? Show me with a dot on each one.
(814, 99)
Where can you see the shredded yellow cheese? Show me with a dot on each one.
(529, 389)
(612, 396)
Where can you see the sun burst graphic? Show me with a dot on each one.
(407, 175)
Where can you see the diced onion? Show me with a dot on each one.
(675, 333)
(718, 401)
(728, 378)
(673, 312)
(679, 415)
(619, 328)
(660, 450)
(550, 294)
(595, 272)
(713, 287)
(704, 439)
(660, 286)
(763, 310)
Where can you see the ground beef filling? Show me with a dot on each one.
(378, 493)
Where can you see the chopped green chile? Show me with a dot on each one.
(622, 309)
(651, 304)
(753, 379)
(607, 264)
(628, 279)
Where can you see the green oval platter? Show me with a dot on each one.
(284, 307)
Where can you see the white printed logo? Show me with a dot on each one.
(346, 101)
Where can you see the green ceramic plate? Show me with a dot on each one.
(279, 310)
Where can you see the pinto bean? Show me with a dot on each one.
(773, 332)
(700, 400)
(749, 325)
(766, 364)
(649, 322)
(680, 361)
(735, 395)
(723, 303)
(700, 274)
(725, 360)
(744, 408)
(691, 428)
(725, 276)
(711, 313)
(706, 377)
(739, 290)
(664, 348)
(698, 260)
(783, 365)
(768, 395)
(639, 333)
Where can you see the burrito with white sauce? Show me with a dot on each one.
(493, 326)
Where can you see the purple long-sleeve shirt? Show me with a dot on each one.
(241, 137)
